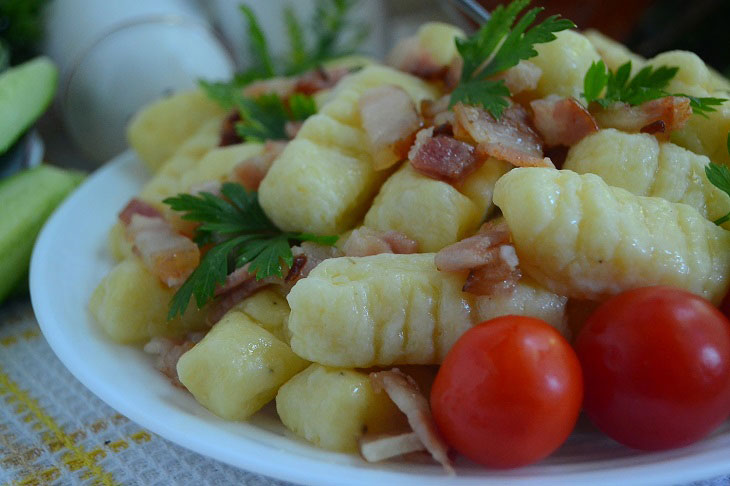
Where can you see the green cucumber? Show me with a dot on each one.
(26, 200)
(26, 91)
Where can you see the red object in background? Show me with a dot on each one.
(615, 19)
(508, 392)
(656, 367)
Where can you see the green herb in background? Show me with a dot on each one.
(4, 56)
(21, 27)
(242, 235)
(499, 45)
(646, 85)
(719, 176)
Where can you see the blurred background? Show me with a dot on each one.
(110, 53)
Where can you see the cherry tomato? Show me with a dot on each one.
(656, 367)
(508, 393)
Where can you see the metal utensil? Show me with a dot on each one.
(471, 9)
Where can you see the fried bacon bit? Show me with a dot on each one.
(562, 121)
(522, 77)
(219, 307)
(382, 447)
(365, 241)
(500, 275)
(474, 251)
(492, 262)
(663, 115)
(410, 56)
(169, 351)
(404, 392)
(390, 120)
(510, 139)
(229, 135)
(318, 79)
(237, 277)
(306, 257)
(437, 112)
(252, 171)
(284, 87)
(442, 158)
(169, 255)
(291, 128)
(137, 206)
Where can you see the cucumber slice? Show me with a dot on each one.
(26, 200)
(26, 91)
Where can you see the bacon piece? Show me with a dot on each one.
(510, 139)
(410, 56)
(365, 241)
(168, 352)
(227, 301)
(252, 171)
(307, 256)
(437, 112)
(319, 79)
(499, 275)
(562, 121)
(291, 128)
(229, 135)
(137, 206)
(234, 279)
(474, 251)
(522, 77)
(672, 111)
(284, 87)
(166, 253)
(404, 392)
(443, 158)
(382, 447)
(390, 120)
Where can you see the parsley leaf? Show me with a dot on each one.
(240, 233)
(719, 176)
(258, 45)
(498, 46)
(646, 85)
(265, 117)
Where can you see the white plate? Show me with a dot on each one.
(69, 260)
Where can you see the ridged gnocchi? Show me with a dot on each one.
(641, 165)
(581, 238)
(324, 180)
(397, 309)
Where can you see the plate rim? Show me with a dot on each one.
(293, 467)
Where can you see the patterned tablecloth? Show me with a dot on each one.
(53, 431)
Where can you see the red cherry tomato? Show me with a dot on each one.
(508, 393)
(656, 367)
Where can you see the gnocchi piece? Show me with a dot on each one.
(613, 53)
(397, 309)
(218, 163)
(437, 38)
(693, 77)
(237, 368)
(130, 305)
(334, 407)
(268, 309)
(157, 131)
(454, 212)
(707, 136)
(167, 181)
(118, 245)
(581, 238)
(645, 167)
(564, 63)
(324, 180)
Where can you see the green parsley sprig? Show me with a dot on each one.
(499, 45)
(605, 87)
(240, 233)
(719, 176)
